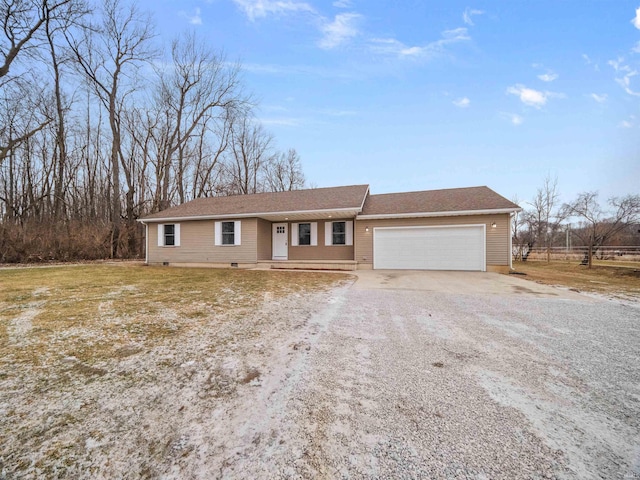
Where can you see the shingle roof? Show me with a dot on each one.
(434, 201)
(316, 199)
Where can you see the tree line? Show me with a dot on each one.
(100, 125)
(590, 222)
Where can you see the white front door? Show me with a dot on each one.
(280, 241)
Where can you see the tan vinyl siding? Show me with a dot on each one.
(264, 240)
(498, 240)
(320, 252)
(197, 244)
(497, 252)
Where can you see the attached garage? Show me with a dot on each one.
(451, 247)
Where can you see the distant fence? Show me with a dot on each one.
(628, 253)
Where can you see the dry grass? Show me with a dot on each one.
(97, 355)
(604, 278)
(94, 312)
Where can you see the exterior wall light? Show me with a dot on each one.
(366, 229)
(494, 225)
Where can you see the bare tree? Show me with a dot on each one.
(198, 93)
(546, 217)
(518, 232)
(108, 54)
(209, 169)
(86, 147)
(249, 153)
(284, 172)
(600, 225)
(23, 113)
(56, 20)
(23, 22)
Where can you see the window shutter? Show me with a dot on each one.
(237, 234)
(218, 234)
(176, 230)
(328, 233)
(349, 228)
(295, 234)
(314, 234)
(160, 235)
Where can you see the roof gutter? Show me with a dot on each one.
(250, 215)
(438, 214)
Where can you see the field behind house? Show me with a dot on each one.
(619, 279)
(118, 371)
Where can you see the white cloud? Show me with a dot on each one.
(463, 102)
(531, 97)
(468, 13)
(342, 4)
(337, 113)
(636, 19)
(391, 46)
(599, 98)
(619, 66)
(274, 108)
(455, 35)
(339, 31)
(636, 48)
(194, 19)
(303, 70)
(261, 8)
(625, 82)
(548, 77)
(627, 72)
(588, 61)
(282, 122)
(626, 124)
(513, 118)
(411, 51)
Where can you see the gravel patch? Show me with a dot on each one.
(419, 384)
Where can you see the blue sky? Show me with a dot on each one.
(417, 95)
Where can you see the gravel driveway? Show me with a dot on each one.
(450, 375)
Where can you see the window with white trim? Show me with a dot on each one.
(169, 235)
(338, 233)
(304, 234)
(227, 233)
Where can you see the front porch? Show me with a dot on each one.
(344, 265)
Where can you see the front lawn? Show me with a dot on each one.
(102, 367)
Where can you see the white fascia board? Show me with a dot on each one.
(354, 212)
(366, 194)
(457, 213)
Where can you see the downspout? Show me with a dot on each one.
(146, 242)
(511, 241)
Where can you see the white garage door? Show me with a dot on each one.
(460, 247)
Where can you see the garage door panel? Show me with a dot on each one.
(430, 248)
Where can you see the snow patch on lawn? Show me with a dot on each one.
(181, 404)
(20, 327)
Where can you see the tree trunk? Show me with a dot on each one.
(116, 211)
(58, 189)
